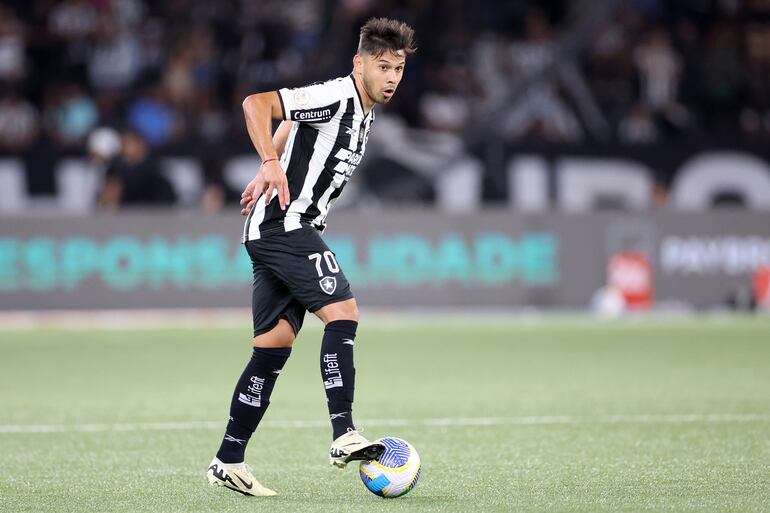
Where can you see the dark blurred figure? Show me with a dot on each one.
(151, 116)
(12, 44)
(659, 69)
(70, 115)
(638, 127)
(723, 78)
(540, 111)
(134, 178)
(216, 193)
(19, 122)
(22, 136)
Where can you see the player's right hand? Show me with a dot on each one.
(270, 177)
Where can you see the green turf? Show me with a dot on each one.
(411, 373)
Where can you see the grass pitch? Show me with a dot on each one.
(561, 415)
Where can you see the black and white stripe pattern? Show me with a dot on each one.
(325, 145)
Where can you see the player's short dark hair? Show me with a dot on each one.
(380, 35)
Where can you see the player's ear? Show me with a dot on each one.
(358, 64)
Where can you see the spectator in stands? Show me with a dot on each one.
(653, 67)
(638, 127)
(19, 122)
(210, 120)
(103, 144)
(117, 57)
(152, 117)
(12, 43)
(135, 177)
(723, 77)
(73, 20)
(73, 115)
(71, 25)
(22, 135)
(539, 111)
(659, 67)
(611, 67)
(216, 192)
(755, 117)
(445, 106)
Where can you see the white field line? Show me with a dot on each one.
(441, 422)
(380, 318)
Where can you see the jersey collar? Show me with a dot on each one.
(360, 101)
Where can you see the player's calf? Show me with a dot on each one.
(339, 374)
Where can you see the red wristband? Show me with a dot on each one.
(268, 160)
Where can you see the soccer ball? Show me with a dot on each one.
(395, 472)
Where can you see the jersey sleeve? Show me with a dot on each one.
(316, 103)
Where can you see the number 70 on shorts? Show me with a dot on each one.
(328, 258)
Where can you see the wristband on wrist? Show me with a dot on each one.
(268, 160)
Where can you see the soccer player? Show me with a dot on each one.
(305, 166)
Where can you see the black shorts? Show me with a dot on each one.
(294, 272)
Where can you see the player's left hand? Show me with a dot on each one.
(247, 198)
(270, 178)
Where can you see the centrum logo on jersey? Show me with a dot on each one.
(321, 114)
(311, 115)
(328, 284)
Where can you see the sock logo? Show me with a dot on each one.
(254, 397)
(331, 372)
(335, 416)
(230, 438)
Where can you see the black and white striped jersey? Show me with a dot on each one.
(324, 147)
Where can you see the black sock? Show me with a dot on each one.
(250, 400)
(338, 373)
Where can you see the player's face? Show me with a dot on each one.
(380, 75)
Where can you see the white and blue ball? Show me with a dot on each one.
(395, 472)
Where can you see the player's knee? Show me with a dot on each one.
(281, 336)
(348, 311)
(273, 342)
(352, 311)
(342, 311)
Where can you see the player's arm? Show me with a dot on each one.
(281, 135)
(260, 110)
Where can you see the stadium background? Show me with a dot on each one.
(516, 126)
(544, 168)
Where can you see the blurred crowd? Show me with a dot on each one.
(170, 76)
